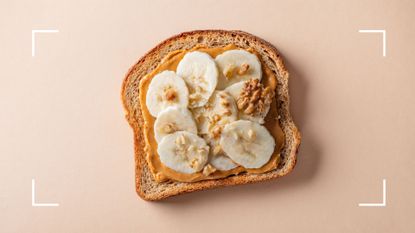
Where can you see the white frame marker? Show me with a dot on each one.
(39, 31)
(383, 37)
(383, 204)
(40, 204)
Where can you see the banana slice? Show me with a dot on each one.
(237, 65)
(247, 143)
(220, 110)
(252, 99)
(173, 119)
(183, 152)
(200, 73)
(166, 89)
(222, 162)
(217, 157)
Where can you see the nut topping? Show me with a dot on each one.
(208, 169)
(216, 131)
(228, 71)
(181, 140)
(244, 69)
(251, 135)
(250, 109)
(216, 150)
(194, 163)
(170, 94)
(254, 98)
(216, 117)
(169, 128)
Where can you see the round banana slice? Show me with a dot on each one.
(219, 110)
(183, 152)
(251, 107)
(247, 143)
(173, 119)
(166, 89)
(200, 73)
(237, 65)
(222, 162)
(217, 157)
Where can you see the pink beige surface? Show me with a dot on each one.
(62, 120)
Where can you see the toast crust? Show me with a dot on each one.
(146, 187)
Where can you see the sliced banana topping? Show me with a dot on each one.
(200, 73)
(222, 162)
(220, 110)
(252, 99)
(217, 157)
(211, 119)
(237, 65)
(247, 143)
(197, 128)
(166, 89)
(174, 119)
(183, 152)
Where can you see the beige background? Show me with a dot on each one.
(62, 122)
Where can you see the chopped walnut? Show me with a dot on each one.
(227, 112)
(208, 169)
(251, 135)
(254, 98)
(217, 149)
(169, 128)
(191, 148)
(244, 69)
(228, 71)
(194, 163)
(216, 117)
(200, 89)
(170, 94)
(194, 98)
(250, 109)
(225, 103)
(181, 140)
(202, 150)
(216, 132)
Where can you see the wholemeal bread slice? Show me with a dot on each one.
(146, 186)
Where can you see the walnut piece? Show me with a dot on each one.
(217, 149)
(170, 94)
(208, 169)
(254, 98)
(194, 163)
(169, 128)
(244, 69)
(216, 132)
(228, 71)
(251, 135)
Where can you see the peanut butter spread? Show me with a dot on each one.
(161, 172)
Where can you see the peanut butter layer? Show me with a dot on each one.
(162, 173)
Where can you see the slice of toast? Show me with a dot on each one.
(146, 186)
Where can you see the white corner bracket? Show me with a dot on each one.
(34, 36)
(383, 204)
(40, 204)
(383, 37)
